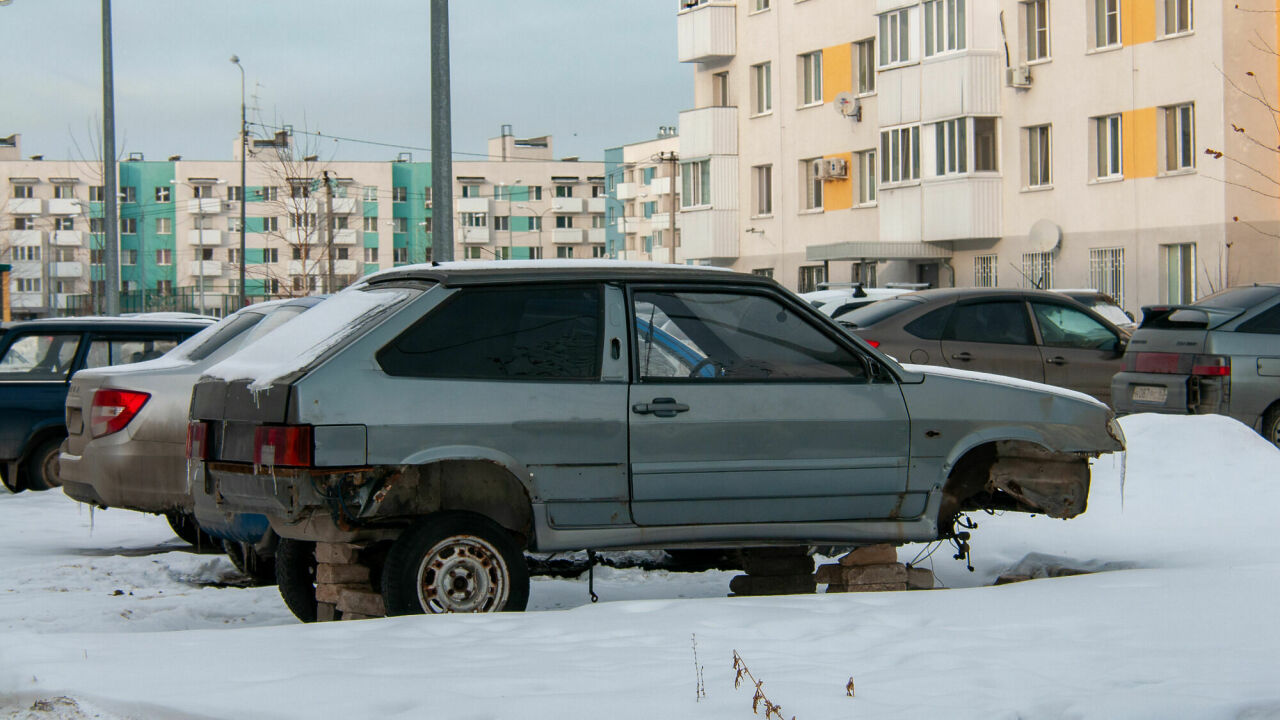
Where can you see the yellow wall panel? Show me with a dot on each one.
(1137, 21)
(838, 194)
(1140, 143)
(837, 71)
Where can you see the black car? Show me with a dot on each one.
(37, 359)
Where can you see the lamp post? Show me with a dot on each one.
(244, 152)
(540, 216)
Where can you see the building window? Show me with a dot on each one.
(864, 273)
(866, 55)
(535, 222)
(985, 150)
(26, 253)
(371, 254)
(762, 88)
(164, 226)
(1038, 157)
(206, 253)
(96, 225)
(400, 255)
(564, 191)
(895, 37)
(1109, 162)
(164, 256)
(1037, 268)
(271, 255)
(63, 191)
(206, 191)
(129, 226)
(1177, 17)
(400, 225)
(763, 181)
(28, 285)
(866, 176)
(564, 252)
(1106, 23)
(24, 223)
(1179, 137)
(564, 222)
(233, 256)
(64, 223)
(163, 194)
(719, 91)
(1106, 272)
(943, 26)
(268, 193)
(501, 222)
(1180, 273)
(370, 193)
(302, 220)
(128, 257)
(810, 65)
(296, 253)
(763, 272)
(984, 271)
(952, 146)
(760, 5)
(811, 171)
(597, 222)
(235, 193)
(471, 191)
(599, 251)
(695, 183)
(297, 190)
(1035, 15)
(96, 193)
(129, 194)
(270, 224)
(810, 276)
(233, 224)
(164, 287)
(900, 155)
(470, 219)
(399, 194)
(371, 223)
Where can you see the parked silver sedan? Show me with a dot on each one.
(126, 425)
(1219, 355)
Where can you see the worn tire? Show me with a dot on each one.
(42, 466)
(484, 566)
(296, 577)
(184, 526)
(256, 561)
(1271, 425)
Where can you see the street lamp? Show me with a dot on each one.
(244, 152)
(540, 216)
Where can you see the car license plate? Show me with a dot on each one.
(1150, 393)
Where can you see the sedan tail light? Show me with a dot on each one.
(283, 445)
(1154, 362)
(1211, 366)
(112, 410)
(198, 440)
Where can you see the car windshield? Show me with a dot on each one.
(875, 312)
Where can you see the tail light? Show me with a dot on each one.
(198, 440)
(872, 343)
(1154, 362)
(283, 445)
(1211, 366)
(112, 410)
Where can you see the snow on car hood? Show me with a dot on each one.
(1004, 380)
(300, 341)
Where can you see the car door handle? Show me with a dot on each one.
(964, 357)
(1059, 360)
(660, 407)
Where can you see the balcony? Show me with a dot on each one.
(568, 205)
(476, 235)
(25, 206)
(709, 131)
(707, 32)
(345, 267)
(205, 238)
(660, 221)
(26, 237)
(344, 237)
(596, 235)
(346, 206)
(708, 234)
(567, 236)
(961, 209)
(206, 268)
(68, 238)
(66, 270)
(472, 205)
(628, 225)
(204, 206)
(660, 186)
(596, 204)
(627, 191)
(66, 206)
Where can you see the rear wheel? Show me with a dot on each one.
(255, 560)
(455, 562)
(185, 527)
(1271, 425)
(296, 577)
(42, 466)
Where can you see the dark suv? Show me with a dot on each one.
(37, 359)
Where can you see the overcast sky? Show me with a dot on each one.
(593, 73)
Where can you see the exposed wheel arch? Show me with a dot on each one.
(1016, 475)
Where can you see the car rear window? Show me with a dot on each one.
(1268, 323)
(204, 343)
(869, 315)
(39, 356)
(1238, 298)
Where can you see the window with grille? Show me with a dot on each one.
(1037, 269)
(810, 276)
(1106, 272)
(985, 271)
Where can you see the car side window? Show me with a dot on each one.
(39, 356)
(733, 336)
(1000, 321)
(1065, 327)
(510, 333)
(103, 352)
(1267, 323)
(930, 325)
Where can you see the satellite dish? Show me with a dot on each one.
(848, 106)
(1045, 236)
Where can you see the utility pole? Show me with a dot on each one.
(328, 230)
(671, 158)
(441, 135)
(244, 152)
(110, 201)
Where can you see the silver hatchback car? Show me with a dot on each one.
(444, 418)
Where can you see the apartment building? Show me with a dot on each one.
(639, 219)
(1055, 143)
(180, 221)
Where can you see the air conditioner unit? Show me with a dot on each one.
(834, 168)
(1018, 77)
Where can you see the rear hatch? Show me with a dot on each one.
(1166, 367)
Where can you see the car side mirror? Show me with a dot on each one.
(1120, 346)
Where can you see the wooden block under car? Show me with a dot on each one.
(361, 601)
(862, 574)
(871, 555)
(336, 553)
(872, 587)
(327, 573)
(330, 592)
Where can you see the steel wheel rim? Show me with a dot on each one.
(463, 573)
(50, 468)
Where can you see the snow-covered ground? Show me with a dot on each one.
(108, 615)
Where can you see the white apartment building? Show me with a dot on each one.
(1015, 143)
(641, 222)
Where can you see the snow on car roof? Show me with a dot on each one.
(1004, 380)
(300, 341)
(527, 265)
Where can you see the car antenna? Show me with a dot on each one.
(1034, 284)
